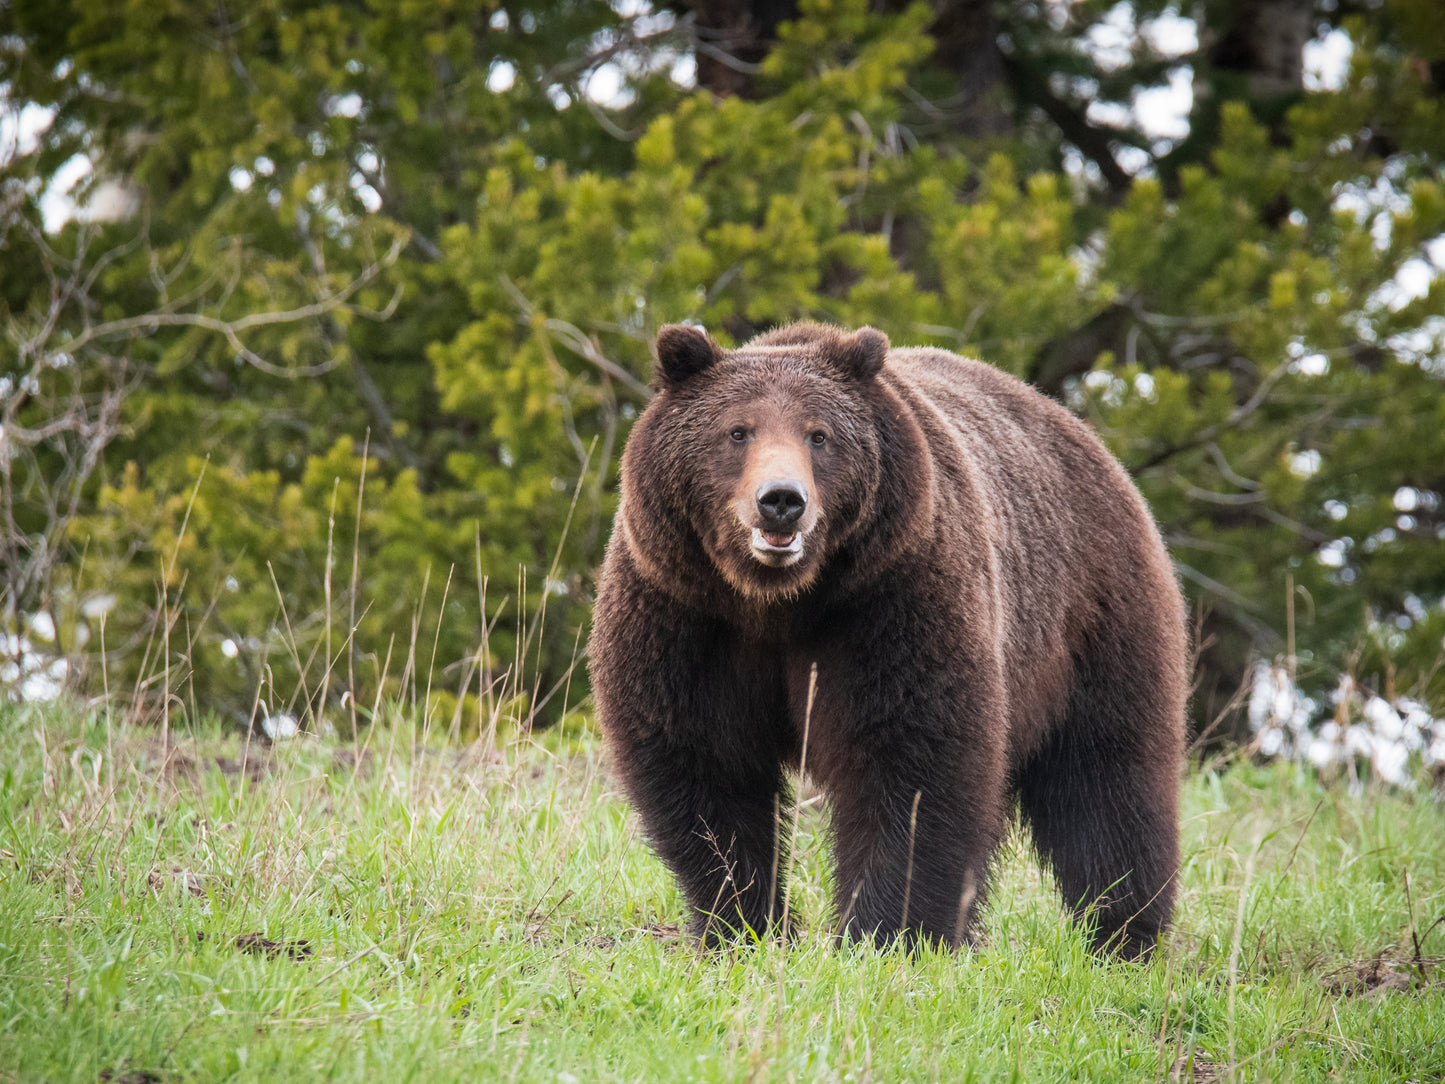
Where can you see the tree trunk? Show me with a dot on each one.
(734, 36)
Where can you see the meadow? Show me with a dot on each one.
(403, 907)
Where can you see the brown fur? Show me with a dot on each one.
(989, 606)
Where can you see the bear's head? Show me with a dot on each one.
(765, 458)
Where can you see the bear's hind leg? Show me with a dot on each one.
(1102, 800)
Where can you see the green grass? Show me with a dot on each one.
(473, 914)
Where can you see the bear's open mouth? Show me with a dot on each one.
(770, 546)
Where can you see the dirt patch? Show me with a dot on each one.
(261, 946)
(1193, 1069)
(348, 759)
(131, 1076)
(253, 766)
(666, 932)
(180, 764)
(254, 942)
(1380, 976)
(184, 879)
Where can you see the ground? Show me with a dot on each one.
(423, 911)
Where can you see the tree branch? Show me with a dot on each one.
(580, 344)
(1032, 88)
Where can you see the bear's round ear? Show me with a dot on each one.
(682, 352)
(861, 354)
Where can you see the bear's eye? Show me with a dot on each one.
(817, 438)
(739, 434)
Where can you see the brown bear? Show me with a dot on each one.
(976, 584)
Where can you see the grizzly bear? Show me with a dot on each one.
(926, 582)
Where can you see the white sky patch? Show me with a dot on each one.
(1381, 230)
(344, 105)
(1332, 554)
(1170, 34)
(1160, 113)
(1163, 112)
(1383, 537)
(607, 85)
(1366, 201)
(21, 129)
(684, 72)
(109, 201)
(57, 206)
(501, 76)
(1132, 160)
(369, 196)
(1378, 204)
(1305, 464)
(1109, 114)
(241, 180)
(653, 22)
(1310, 365)
(1327, 61)
(1079, 168)
(1413, 280)
(1087, 258)
(1110, 41)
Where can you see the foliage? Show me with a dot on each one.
(1226, 314)
(211, 909)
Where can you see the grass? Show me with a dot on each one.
(214, 911)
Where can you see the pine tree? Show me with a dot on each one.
(443, 234)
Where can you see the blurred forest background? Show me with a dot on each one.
(325, 321)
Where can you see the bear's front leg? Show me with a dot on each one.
(717, 829)
(912, 845)
(697, 724)
(911, 751)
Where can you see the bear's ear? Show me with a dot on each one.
(861, 354)
(682, 352)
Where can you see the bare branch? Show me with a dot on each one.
(231, 329)
(1211, 433)
(575, 340)
(63, 388)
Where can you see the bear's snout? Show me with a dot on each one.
(781, 503)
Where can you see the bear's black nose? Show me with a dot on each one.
(781, 503)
